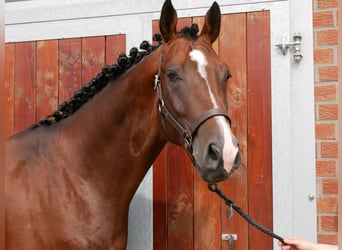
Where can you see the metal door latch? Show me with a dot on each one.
(295, 46)
(230, 238)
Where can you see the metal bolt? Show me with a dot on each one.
(311, 197)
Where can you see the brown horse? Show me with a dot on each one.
(70, 178)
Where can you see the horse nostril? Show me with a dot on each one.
(237, 160)
(213, 152)
(235, 142)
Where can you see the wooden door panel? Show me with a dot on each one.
(160, 190)
(93, 57)
(180, 211)
(206, 204)
(47, 78)
(9, 89)
(24, 85)
(180, 200)
(69, 66)
(114, 46)
(259, 127)
(233, 52)
(160, 201)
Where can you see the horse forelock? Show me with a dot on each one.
(190, 32)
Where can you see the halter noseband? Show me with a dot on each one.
(186, 132)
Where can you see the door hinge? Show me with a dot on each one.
(295, 47)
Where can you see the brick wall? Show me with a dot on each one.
(326, 106)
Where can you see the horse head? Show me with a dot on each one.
(191, 88)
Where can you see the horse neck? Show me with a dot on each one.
(115, 137)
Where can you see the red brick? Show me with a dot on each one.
(323, 19)
(325, 131)
(327, 4)
(329, 149)
(327, 205)
(327, 37)
(328, 223)
(327, 238)
(328, 112)
(325, 92)
(329, 73)
(323, 56)
(325, 168)
(330, 186)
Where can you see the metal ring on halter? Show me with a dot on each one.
(161, 104)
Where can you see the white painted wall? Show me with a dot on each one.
(292, 89)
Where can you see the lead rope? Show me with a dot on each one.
(230, 204)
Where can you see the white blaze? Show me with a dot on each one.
(229, 149)
(197, 56)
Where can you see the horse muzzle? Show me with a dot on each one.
(212, 167)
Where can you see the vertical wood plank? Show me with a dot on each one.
(93, 57)
(233, 51)
(180, 190)
(25, 85)
(207, 223)
(159, 190)
(47, 78)
(179, 199)
(115, 45)
(69, 67)
(159, 201)
(259, 127)
(9, 89)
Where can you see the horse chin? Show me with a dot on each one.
(211, 179)
(210, 176)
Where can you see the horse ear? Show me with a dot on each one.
(212, 23)
(168, 21)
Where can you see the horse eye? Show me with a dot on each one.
(228, 75)
(172, 75)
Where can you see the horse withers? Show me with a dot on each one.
(71, 177)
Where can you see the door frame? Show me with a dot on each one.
(292, 84)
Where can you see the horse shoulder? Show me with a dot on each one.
(46, 202)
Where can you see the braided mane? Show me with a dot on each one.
(108, 73)
(89, 90)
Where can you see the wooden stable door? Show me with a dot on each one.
(186, 215)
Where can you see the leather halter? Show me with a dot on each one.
(186, 132)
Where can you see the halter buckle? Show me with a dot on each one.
(156, 81)
(187, 140)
